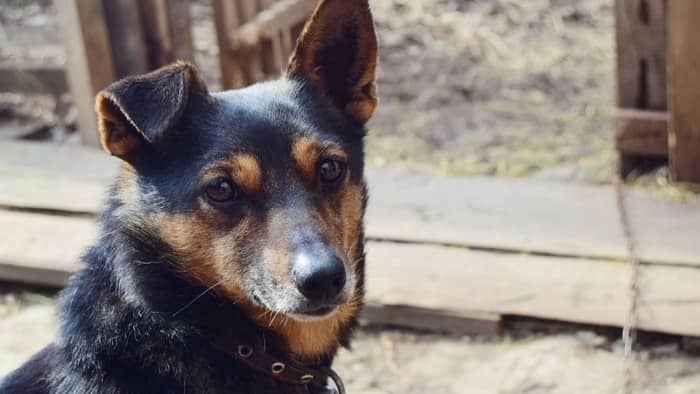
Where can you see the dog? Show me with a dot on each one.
(230, 256)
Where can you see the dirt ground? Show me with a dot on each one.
(469, 87)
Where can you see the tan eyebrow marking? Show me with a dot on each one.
(307, 151)
(246, 172)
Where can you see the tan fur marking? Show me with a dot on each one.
(305, 152)
(246, 172)
(115, 136)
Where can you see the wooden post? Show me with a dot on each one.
(167, 31)
(684, 90)
(641, 80)
(89, 63)
(227, 18)
(126, 37)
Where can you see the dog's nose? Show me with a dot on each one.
(319, 278)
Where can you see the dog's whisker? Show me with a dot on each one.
(198, 297)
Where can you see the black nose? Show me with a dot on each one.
(319, 279)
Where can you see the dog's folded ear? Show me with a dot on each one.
(337, 51)
(136, 113)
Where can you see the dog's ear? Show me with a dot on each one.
(337, 51)
(136, 113)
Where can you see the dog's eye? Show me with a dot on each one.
(332, 170)
(221, 190)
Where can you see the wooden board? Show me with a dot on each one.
(483, 213)
(23, 191)
(572, 290)
(76, 162)
(167, 27)
(125, 34)
(32, 78)
(452, 322)
(684, 90)
(452, 285)
(529, 216)
(642, 133)
(641, 53)
(89, 63)
(42, 249)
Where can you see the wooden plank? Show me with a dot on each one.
(456, 282)
(126, 37)
(495, 213)
(61, 161)
(572, 290)
(168, 31)
(641, 53)
(529, 216)
(20, 190)
(431, 320)
(240, 65)
(42, 249)
(283, 15)
(89, 62)
(643, 133)
(684, 85)
(485, 213)
(180, 27)
(665, 231)
(33, 78)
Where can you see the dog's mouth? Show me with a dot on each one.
(309, 313)
(319, 313)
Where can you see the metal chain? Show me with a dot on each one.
(629, 332)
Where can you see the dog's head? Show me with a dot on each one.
(259, 191)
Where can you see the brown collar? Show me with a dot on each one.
(287, 370)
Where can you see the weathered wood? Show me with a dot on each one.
(57, 160)
(482, 213)
(283, 15)
(456, 282)
(32, 78)
(256, 37)
(240, 65)
(167, 29)
(42, 249)
(432, 320)
(180, 26)
(684, 90)
(528, 216)
(641, 53)
(643, 133)
(89, 61)
(22, 191)
(226, 18)
(126, 37)
(573, 290)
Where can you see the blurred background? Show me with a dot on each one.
(512, 256)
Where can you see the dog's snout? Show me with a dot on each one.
(319, 278)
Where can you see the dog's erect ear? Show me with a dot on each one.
(337, 51)
(136, 113)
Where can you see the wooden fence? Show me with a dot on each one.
(658, 53)
(658, 50)
(109, 39)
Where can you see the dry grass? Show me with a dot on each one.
(496, 87)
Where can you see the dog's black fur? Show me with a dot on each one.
(128, 320)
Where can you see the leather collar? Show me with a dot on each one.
(285, 369)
